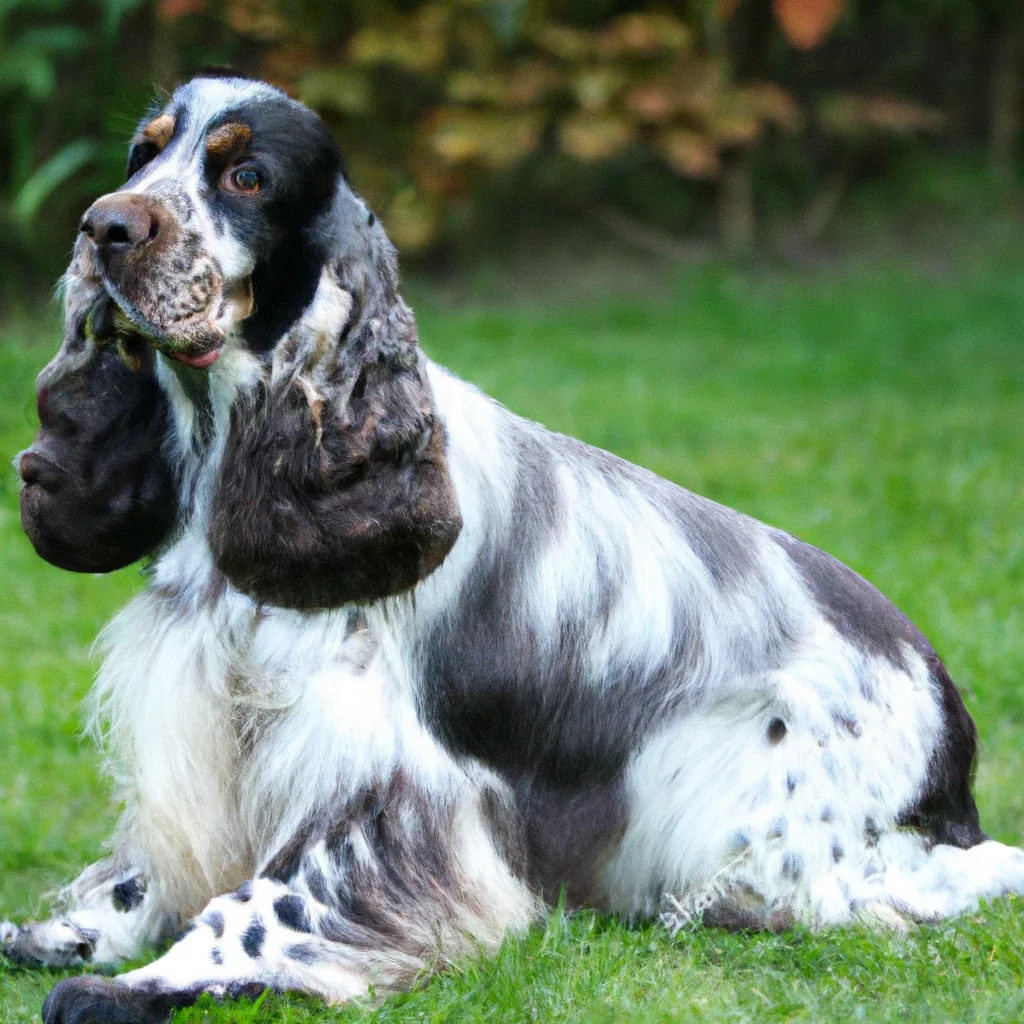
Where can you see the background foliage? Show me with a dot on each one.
(742, 120)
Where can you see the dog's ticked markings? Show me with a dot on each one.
(776, 731)
(847, 722)
(216, 956)
(244, 892)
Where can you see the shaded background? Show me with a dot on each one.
(739, 125)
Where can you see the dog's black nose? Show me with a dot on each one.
(126, 220)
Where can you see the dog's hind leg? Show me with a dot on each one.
(928, 885)
(108, 914)
(403, 880)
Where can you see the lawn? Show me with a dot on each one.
(876, 411)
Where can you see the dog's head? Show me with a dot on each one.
(237, 231)
(213, 226)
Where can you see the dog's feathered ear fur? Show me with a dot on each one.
(334, 484)
(99, 493)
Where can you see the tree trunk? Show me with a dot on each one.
(736, 216)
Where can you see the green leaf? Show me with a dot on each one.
(53, 39)
(113, 12)
(51, 175)
(30, 71)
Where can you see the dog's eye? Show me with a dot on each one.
(244, 179)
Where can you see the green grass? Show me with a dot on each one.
(876, 412)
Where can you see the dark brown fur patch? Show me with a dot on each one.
(227, 140)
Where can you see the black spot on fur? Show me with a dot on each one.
(792, 865)
(216, 956)
(776, 731)
(214, 919)
(777, 829)
(291, 911)
(848, 723)
(871, 833)
(302, 952)
(244, 892)
(253, 937)
(317, 885)
(791, 782)
(837, 852)
(739, 842)
(827, 815)
(129, 894)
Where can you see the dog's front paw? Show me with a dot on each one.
(94, 1000)
(53, 943)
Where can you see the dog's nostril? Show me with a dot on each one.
(115, 233)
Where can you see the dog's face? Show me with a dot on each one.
(237, 231)
(212, 226)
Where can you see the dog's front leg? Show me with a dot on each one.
(402, 882)
(108, 914)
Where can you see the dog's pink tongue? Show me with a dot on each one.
(198, 362)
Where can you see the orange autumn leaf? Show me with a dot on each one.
(806, 23)
(170, 10)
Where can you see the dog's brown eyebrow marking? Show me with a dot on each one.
(227, 138)
(158, 131)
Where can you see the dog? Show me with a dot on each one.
(407, 667)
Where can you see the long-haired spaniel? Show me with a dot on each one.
(407, 666)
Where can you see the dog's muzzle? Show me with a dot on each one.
(160, 275)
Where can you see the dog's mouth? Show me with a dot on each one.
(196, 341)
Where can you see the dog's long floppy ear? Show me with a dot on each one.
(98, 491)
(334, 484)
